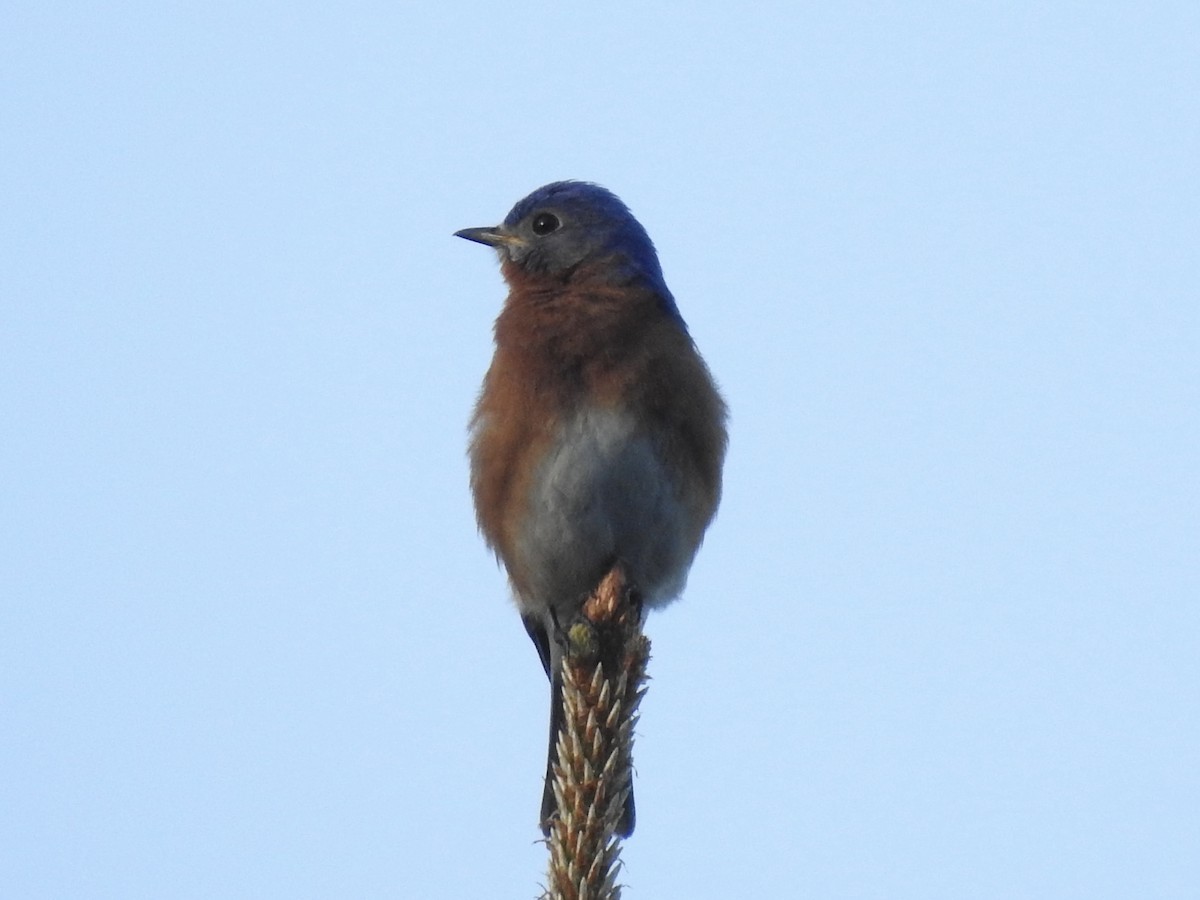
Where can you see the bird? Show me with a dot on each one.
(599, 435)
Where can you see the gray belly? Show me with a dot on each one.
(603, 494)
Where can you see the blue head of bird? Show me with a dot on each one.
(571, 228)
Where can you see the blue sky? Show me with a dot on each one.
(942, 258)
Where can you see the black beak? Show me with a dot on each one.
(496, 236)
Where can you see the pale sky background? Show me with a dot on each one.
(943, 640)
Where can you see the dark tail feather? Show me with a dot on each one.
(549, 804)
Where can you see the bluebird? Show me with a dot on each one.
(599, 435)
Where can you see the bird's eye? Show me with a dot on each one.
(544, 223)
